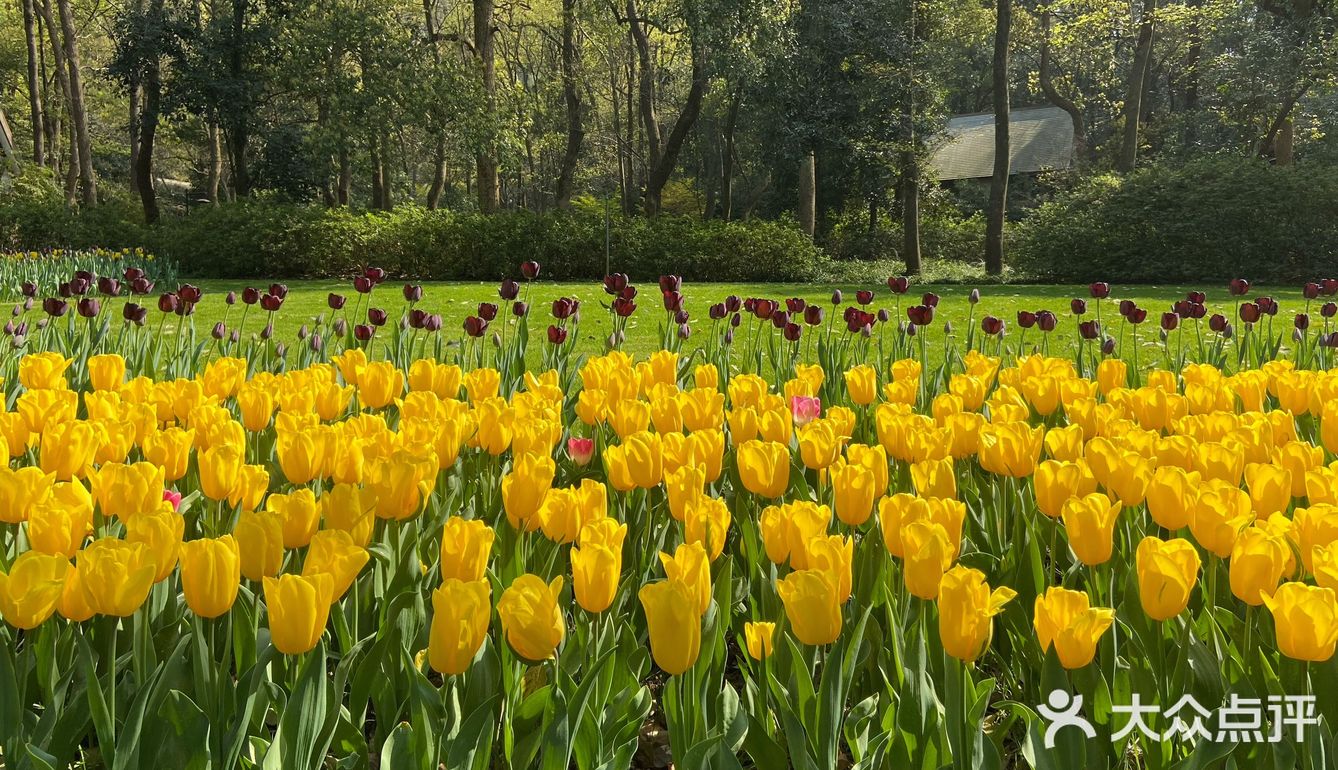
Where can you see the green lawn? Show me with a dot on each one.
(307, 299)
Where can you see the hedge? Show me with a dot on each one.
(265, 238)
(1209, 220)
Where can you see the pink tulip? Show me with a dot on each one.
(805, 409)
(580, 450)
(174, 498)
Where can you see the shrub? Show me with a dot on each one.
(1209, 220)
(270, 238)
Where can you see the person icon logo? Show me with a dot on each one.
(1062, 710)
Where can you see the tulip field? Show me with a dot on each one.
(724, 532)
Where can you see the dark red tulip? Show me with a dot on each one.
(793, 332)
(89, 307)
(109, 287)
(615, 283)
(1127, 306)
(417, 317)
(412, 293)
(376, 316)
(487, 311)
(1026, 319)
(1238, 287)
(733, 303)
(864, 296)
(1267, 305)
(363, 285)
(475, 326)
(1328, 287)
(519, 309)
(795, 305)
(1137, 316)
(813, 315)
(1078, 306)
(1169, 321)
(141, 286)
(557, 335)
(1249, 312)
(132, 274)
(1091, 330)
(1217, 322)
(1302, 321)
(1329, 309)
(763, 308)
(1099, 290)
(624, 307)
(991, 325)
(898, 284)
(29, 289)
(929, 299)
(920, 315)
(530, 269)
(55, 307)
(717, 311)
(279, 290)
(837, 298)
(1197, 297)
(363, 332)
(271, 302)
(189, 294)
(562, 308)
(670, 283)
(508, 290)
(134, 313)
(433, 322)
(374, 274)
(335, 301)
(1311, 290)
(1046, 320)
(168, 302)
(673, 301)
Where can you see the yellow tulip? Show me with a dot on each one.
(298, 608)
(170, 450)
(636, 463)
(401, 482)
(1306, 618)
(929, 554)
(862, 384)
(57, 527)
(531, 617)
(67, 449)
(787, 528)
(673, 625)
(31, 589)
(1055, 482)
(302, 452)
(433, 377)
(466, 545)
(126, 490)
(20, 490)
(300, 515)
(1112, 373)
(1258, 562)
(595, 569)
(934, 478)
(564, 512)
(1299, 457)
(345, 507)
(682, 487)
(764, 467)
(819, 444)
(220, 467)
(1010, 448)
(14, 433)
(1167, 573)
(524, 489)
(1219, 515)
(334, 553)
(811, 606)
(161, 530)
(854, 490)
(1172, 496)
(1270, 488)
(115, 576)
(43, 371)
(482, 384)
(834, 555)
(689, 565)
(758, 639)
(210, 574)
(1067, 620)
(1090, 523)
(707, 521)
(1325, 561)
(873, 458)
(259, 537)
(966, 608)
(461, 611)
(106, 372)
(380, 383)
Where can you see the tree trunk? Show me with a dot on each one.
(1133, 102)
(34, 83)
(998, 204)
(215, 172)
(1046, 77)
(148, 125)
(1283, 142)
(728, 152)
(808, 193)
(910, 212)
(489, 186)
(87, 177)
(663, 151)
(135, 104)
(575, 130)
(438, 174)
(237, 129)
(63, 80)
(378, 176)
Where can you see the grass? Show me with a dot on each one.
(454, 301)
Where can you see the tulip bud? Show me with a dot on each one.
(508, 290)
(219, 331)
(973, 297)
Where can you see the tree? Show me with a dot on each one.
(998, 205)
(489, 186)
(88, 182)
(37, 113)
